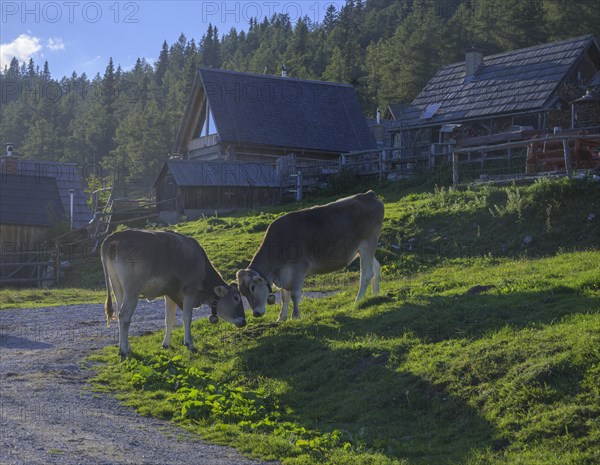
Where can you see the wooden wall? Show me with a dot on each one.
(20, 237)
(229, 198)
(19, 244)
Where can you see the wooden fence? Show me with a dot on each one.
(301, 174)
(36, 267)
(121, 207)
(386, 163)
(558, 153)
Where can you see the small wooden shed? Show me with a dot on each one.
(35, 203)
(195, 188)
(29, 209)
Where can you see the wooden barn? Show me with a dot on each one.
(233, 116)
(35, 204)
(503, 97)
(194, 187)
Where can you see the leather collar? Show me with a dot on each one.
(213, 306)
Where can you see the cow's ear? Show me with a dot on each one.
(242, 275)
(271, 299)
(259, 280)
(220, 291)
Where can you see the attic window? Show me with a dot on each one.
(430, 110)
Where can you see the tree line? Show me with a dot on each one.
(387, 49)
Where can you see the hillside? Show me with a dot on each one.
(482, 348)
(387, 49)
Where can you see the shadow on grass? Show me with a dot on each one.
(362, 394)
(342, 374)
(438, 318)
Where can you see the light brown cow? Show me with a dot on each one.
(163, 263)
(313, 241)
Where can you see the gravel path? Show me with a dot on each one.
(49, 416)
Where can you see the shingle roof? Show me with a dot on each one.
(595, 82)
(397, 109)
(509, 82)
(29, 200)
(67, 177)
(285, 112)
(230, 174)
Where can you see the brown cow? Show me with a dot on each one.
(163, 263)
(313, 241)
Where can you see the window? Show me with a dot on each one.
(430, 110)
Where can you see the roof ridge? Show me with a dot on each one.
(581, 38)
(271, 76)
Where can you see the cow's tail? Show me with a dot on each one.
(108, 304)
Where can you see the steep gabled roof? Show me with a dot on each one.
(29, 200)
(396, 110)
(66, 177)
(509, 82)
(288, 113)
(192, 173)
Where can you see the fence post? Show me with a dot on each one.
(381, 163)
(567, 153)
(529, 169)
(454, 169)
(298, 190)
(56, 264)
(432, 157)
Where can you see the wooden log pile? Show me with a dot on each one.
(556, 155)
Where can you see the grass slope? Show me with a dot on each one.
(24, 297)
(482, 349)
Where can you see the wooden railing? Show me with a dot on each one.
(205, 141)
(384, 162)
(561, 152)
(29, 267)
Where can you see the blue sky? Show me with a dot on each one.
(75, 35)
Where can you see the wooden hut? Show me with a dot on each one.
(194, 188)
(35, 204)
(235, 116)
(503, 97)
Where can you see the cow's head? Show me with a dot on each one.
(256, 289)
(229, 305)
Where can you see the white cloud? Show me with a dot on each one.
(22, 48)
(55, 43)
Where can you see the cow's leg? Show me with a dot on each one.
(170, 321)
(296, 297)
(375, 279)
(188, 305)
(366, 251)
(285, 298)
(116, 286)
(126, 309)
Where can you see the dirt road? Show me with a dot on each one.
(48, 414)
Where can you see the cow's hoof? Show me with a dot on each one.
(213, 319)
(166, 346)
(122, 356)
(190, 347)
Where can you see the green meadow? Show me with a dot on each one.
(482, 348)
